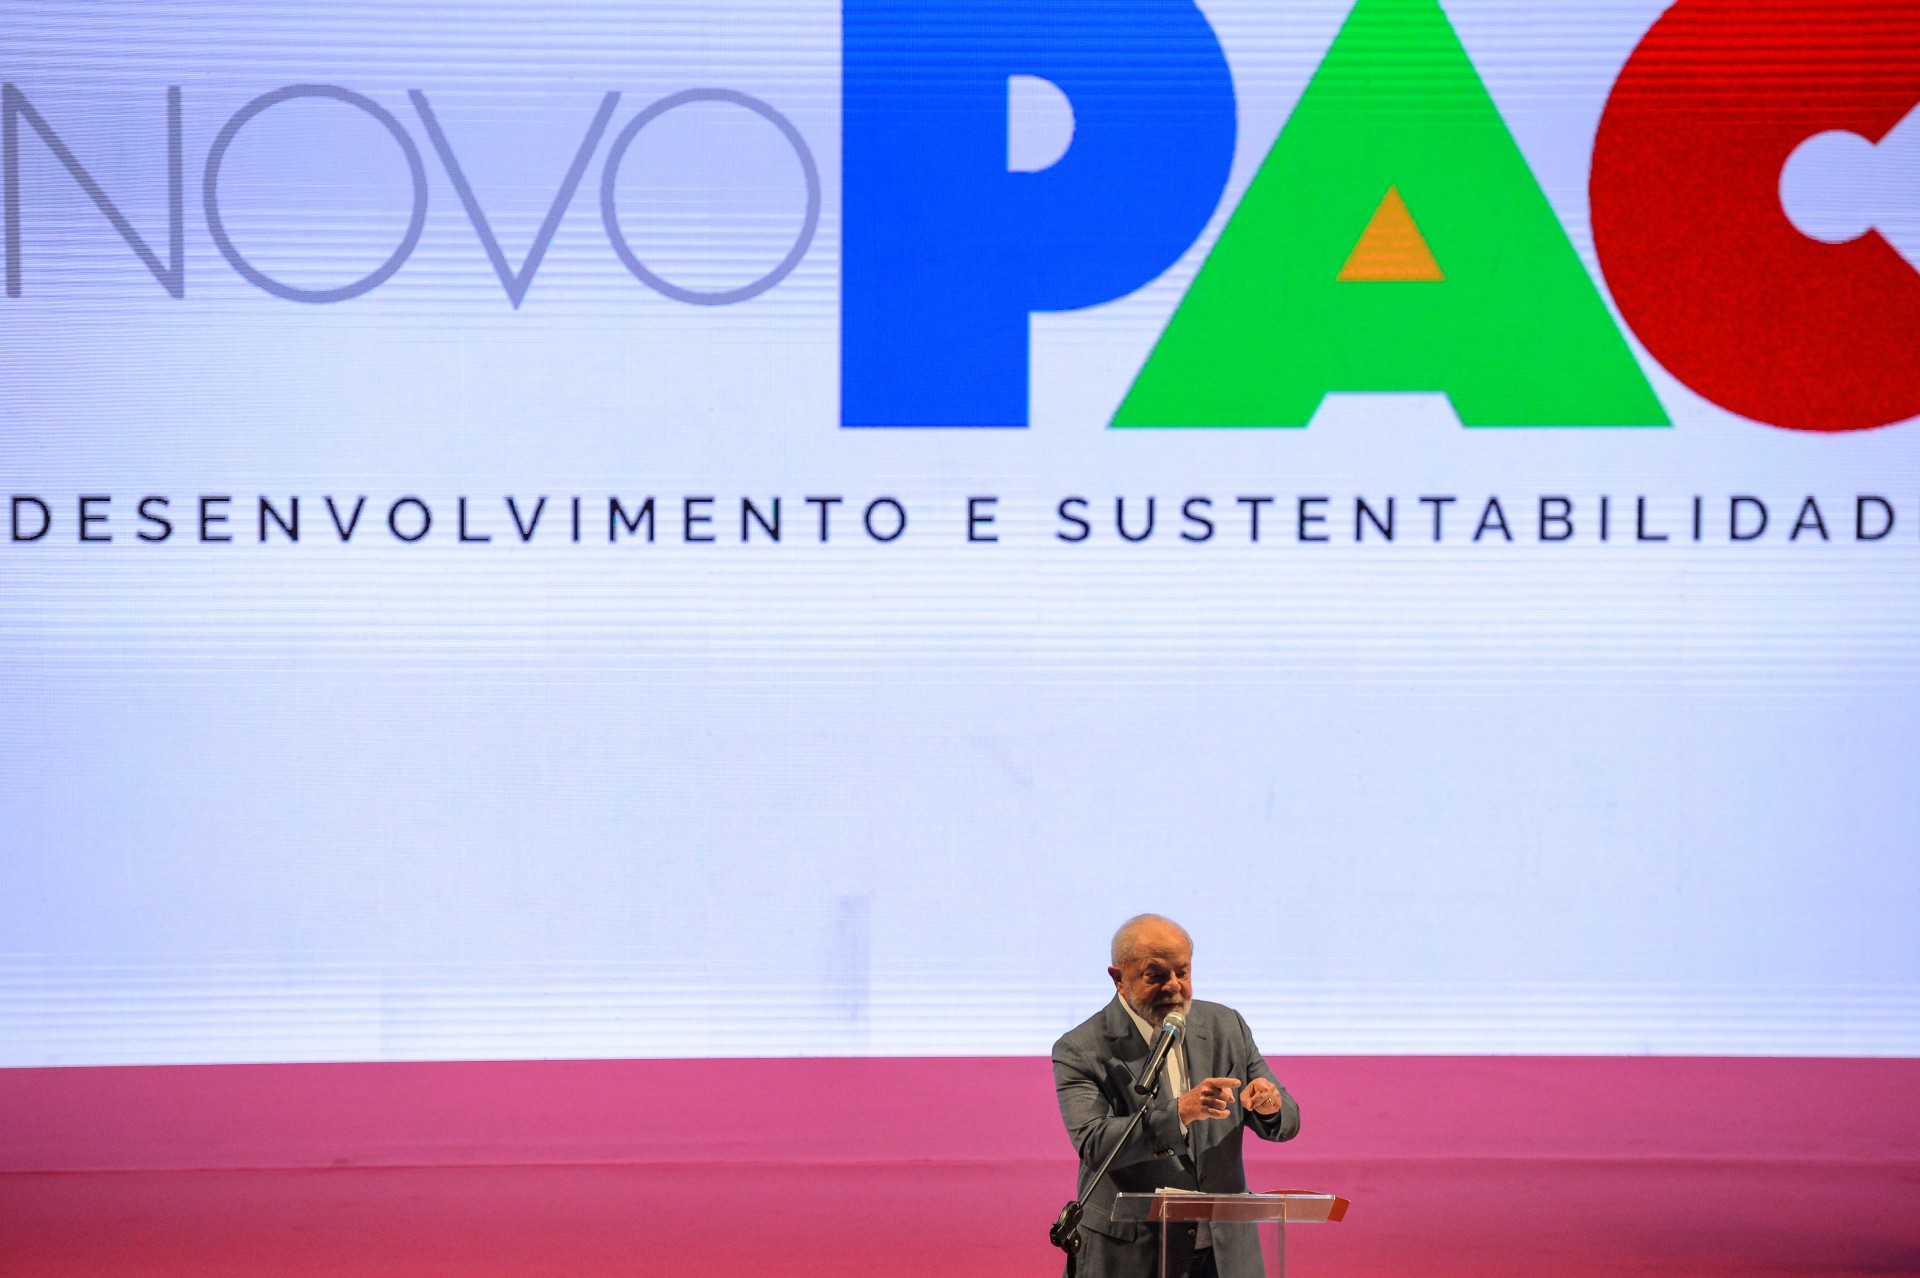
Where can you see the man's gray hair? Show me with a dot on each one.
(1126, 950)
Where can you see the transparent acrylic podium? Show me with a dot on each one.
(1269, 1214)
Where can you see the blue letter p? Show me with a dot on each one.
(944, 252)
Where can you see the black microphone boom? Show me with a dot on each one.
(1170, 1031)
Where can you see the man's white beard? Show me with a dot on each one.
(1153, 1016)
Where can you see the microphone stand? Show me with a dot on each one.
(1065, 1233)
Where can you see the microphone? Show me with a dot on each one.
(1170, 1031)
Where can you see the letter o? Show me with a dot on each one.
(899, 514)
(211, 194)
(609, 197)
(393, 518)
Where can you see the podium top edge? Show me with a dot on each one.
(1296, 1206)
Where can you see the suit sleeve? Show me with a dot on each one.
(1093, 1125)
(1284, 1125)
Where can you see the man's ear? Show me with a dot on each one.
(1114, 972)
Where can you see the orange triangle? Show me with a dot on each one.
(1391, 249)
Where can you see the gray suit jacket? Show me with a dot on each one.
(1094, 1067)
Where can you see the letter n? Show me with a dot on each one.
(14, 107)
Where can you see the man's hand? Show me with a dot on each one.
(1261, 1097)
(1213, 1098)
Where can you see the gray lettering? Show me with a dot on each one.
(258, 278)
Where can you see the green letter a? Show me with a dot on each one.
(1509, 325)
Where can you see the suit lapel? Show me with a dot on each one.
(1124, 1043)
(1200, 1050)
(1201, 1064)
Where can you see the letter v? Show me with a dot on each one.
(526, 530)
(516, 283)
(346, 530)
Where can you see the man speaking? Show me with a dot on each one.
(1214, 1085)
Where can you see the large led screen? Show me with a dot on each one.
(724, 529)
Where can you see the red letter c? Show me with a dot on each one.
(1706, 268)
